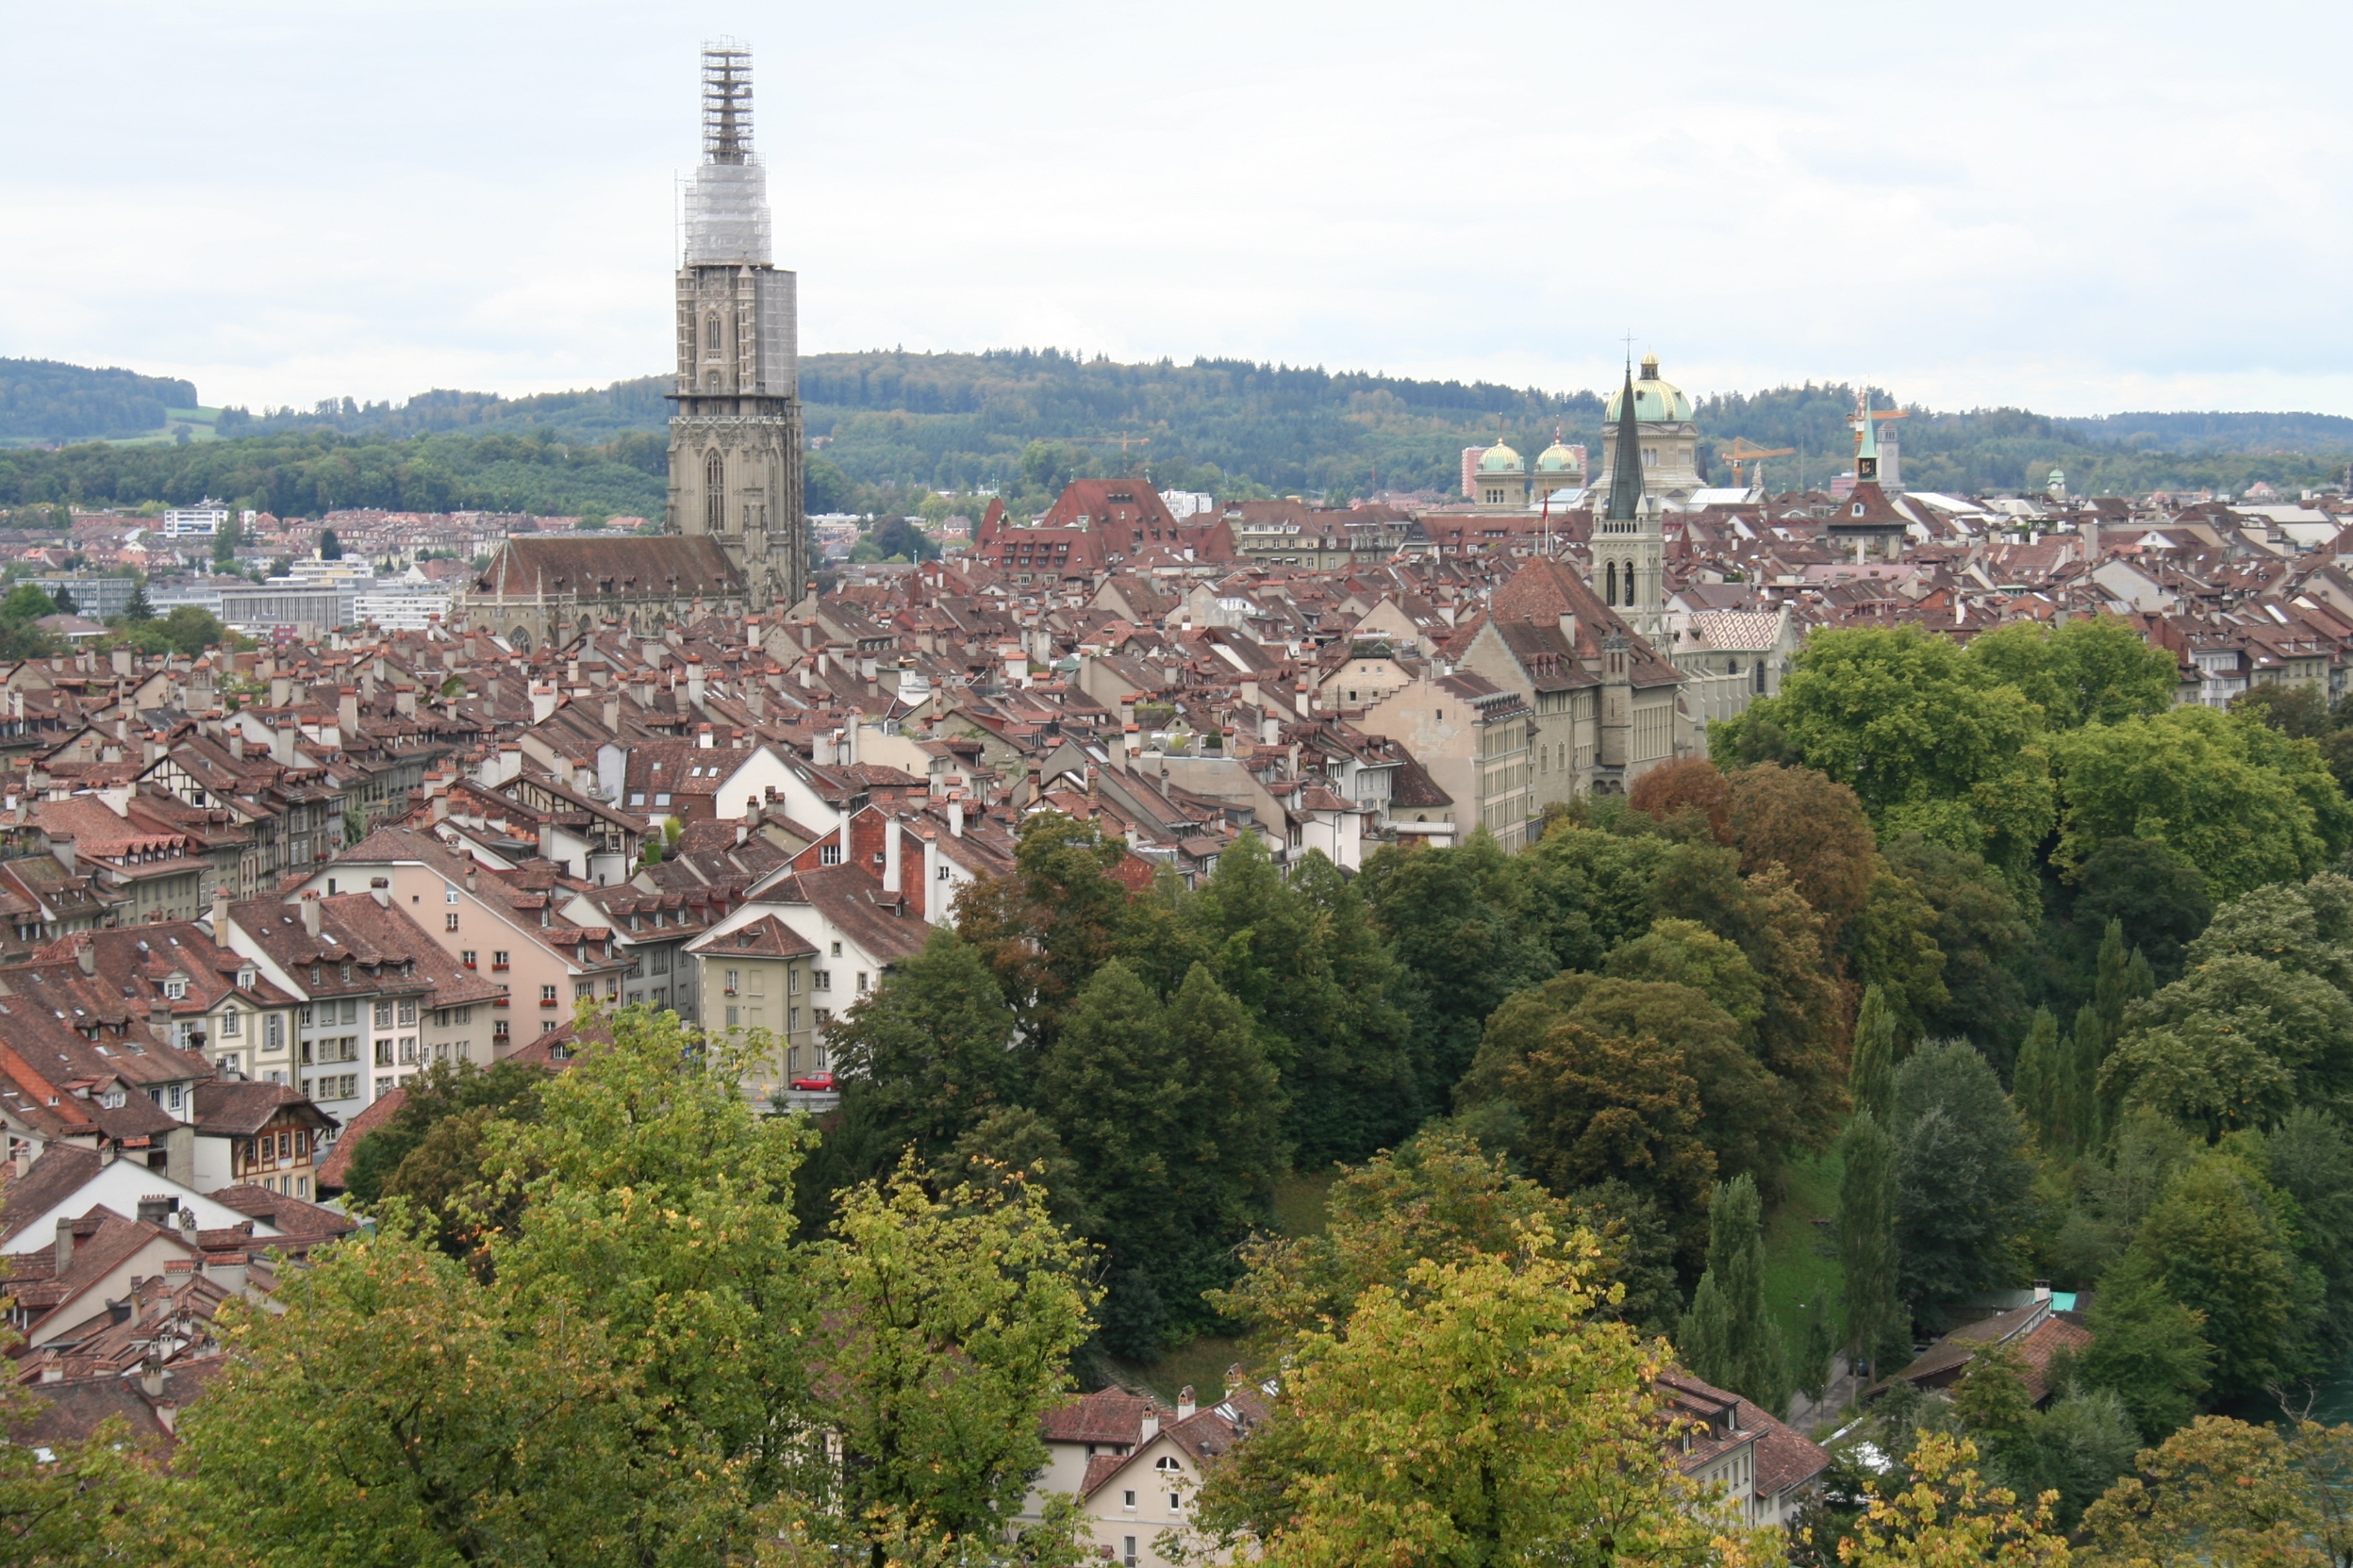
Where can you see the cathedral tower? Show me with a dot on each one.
(734, 439)
(1629, 545)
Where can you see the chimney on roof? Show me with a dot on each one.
(930, 888)
(86, 955)
(65, 1244)
(219, 915)
(1147, 1429)
(702, 737)
(850, 741)
(1093, 786)
(825, 747)
(612, 711)
(955, 813)
(150, 1384)
(311, 912)
(1185, 1407)
(156, 1208)
(891, 853)
(347, 714)
(61, 845)
(159, 1019)
(695, 678)
(282, 742)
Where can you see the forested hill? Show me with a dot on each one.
(44, 399)
(888, 422)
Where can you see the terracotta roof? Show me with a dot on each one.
(339, 1163)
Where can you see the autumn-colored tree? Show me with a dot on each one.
(1483, 1416)
(1944, 1515)
(1597, 1106)
(2223, 1492)
(1812, 828)
(1691, 784)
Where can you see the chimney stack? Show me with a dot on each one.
(219, 915)
(1185, 1407)
(311, 912)
(955, 813)
(65, 1244)
(347, 714)
(891, 853)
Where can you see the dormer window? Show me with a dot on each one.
(175, 988)
(244, 979)
(1858, 508)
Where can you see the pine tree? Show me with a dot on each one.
(1871, 1076)
(1728, 1337)
(1866, 1239)
(2140, 981)
(2039, 1083)
(139, 610)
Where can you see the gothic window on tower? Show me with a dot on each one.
(710, 333)
(714, 492)
(1611, 598)
(710, 381)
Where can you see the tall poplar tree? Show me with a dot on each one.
(2039, 1083)
(1728, 1337)
(1871, 1076)
(1866, 1239)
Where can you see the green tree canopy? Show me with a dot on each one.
(2244, 803)
(1928, 739)
(1961, 1177)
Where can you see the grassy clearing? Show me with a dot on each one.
(1799, 1260)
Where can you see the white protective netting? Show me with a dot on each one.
(727, 216)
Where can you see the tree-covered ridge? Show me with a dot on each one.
(889, 424)
(309, 474)
(47, 400)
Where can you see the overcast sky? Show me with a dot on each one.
(2075, 207)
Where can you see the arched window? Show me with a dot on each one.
(710, 333)
(714, 493)
(1610, 597)
(1630, 583)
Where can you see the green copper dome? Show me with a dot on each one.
(1654, 400)
(1557, 458)
(1500, 458)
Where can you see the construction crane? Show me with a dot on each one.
(1742, 451)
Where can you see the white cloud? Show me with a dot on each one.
(2073, 208)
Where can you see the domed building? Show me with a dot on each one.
(1669, 441)
(1502, 479)
(1560, 468)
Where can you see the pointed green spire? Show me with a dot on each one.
(1626, 465)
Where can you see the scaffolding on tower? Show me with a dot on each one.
(727, 207)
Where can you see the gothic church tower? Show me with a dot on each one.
(734, 439)
(1629, 543)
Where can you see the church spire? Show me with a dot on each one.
(1626, 463)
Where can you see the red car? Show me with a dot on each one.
(821, 1083)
